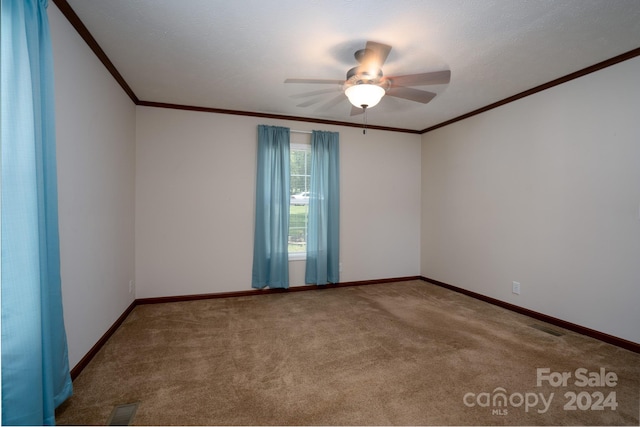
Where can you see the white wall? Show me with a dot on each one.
(195, 198)
(95, 130)
(544, 191)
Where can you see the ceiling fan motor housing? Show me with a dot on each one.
(364, 75)
(367, 74)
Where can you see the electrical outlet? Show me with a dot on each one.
(340, 267)
(132, 286)
(516, 288)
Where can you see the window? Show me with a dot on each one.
(299, 202)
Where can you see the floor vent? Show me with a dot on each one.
(122, 415)
(547, 330)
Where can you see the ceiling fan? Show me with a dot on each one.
(365, 84)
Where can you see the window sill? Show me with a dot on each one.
(298, 256)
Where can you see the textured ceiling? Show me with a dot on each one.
(236, 54)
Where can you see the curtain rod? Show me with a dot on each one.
(300, 131)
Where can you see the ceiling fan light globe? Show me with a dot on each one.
(364, 94)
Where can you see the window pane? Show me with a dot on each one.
(298, 228)
(298, 164)
(298, 184)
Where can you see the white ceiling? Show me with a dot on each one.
(236, 54)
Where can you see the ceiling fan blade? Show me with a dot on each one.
(315, 81)
(313, 93)
(333, 102)
(309, 102)
(411, 94)
(377, 53)
(433, 78)
(356, 110)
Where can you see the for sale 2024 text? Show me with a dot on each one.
(582, 377)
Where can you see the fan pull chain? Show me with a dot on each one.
(364, 124)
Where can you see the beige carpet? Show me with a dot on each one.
(407, 353)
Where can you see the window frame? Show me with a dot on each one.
(299, 146)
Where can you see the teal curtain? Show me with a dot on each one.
(35, 363)
(271, 234)
(323, 250)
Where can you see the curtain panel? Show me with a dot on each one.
(271, 234)
(35, 363)
(323, 252)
